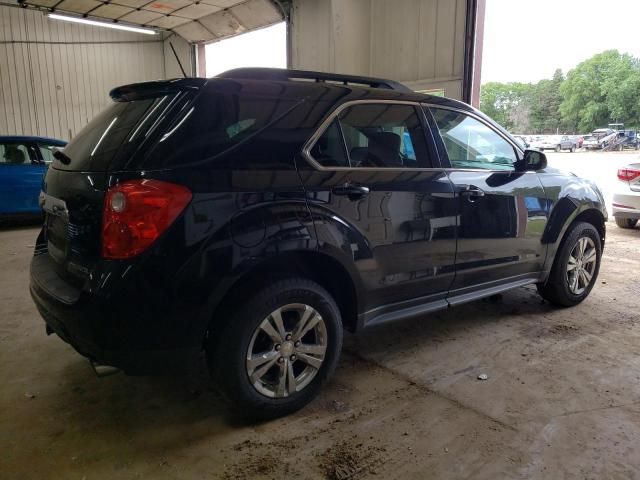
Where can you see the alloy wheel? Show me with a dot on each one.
(286, 350)
(581, 265)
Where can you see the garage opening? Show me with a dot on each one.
(572, 89)
(261, 48)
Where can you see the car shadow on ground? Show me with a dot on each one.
(22, 222)
(151, 403)
(469, 320)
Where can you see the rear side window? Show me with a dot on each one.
(329, 150)
(374, 136)
(213, 124)
(117, 131)
(46, 152)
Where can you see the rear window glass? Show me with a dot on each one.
(213, 124)
(170, 130)
(118, 130)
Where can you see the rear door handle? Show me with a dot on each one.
(351, 190)
(472, 193)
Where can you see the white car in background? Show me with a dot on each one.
(626, 200)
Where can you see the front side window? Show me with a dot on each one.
(14, 154)
(373, 136)
(472, 144)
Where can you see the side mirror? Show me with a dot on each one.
(533, 161)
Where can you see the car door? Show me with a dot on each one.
(381, 202)
(501, 213)
(20, 177)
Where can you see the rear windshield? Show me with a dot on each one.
(170, 130)
(116, 132)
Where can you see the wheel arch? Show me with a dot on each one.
(595, 218)
(323, 269)
(557, 233)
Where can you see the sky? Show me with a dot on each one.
(263, 48)
(526, 40)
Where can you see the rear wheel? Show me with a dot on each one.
(575, 268)
(277, 349)
(626, 222)
(558, 148)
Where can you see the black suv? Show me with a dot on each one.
(252, 216)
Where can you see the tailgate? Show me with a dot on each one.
(73, 202)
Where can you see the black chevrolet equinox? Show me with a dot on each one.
(249, 218)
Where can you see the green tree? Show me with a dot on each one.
(507, 104)
(621, 89)
(545, 105)
(584, 103)
(600, 90)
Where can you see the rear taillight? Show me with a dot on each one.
(136, 212)
(628, 174)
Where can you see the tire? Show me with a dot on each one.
(557, 289)
(558, 148)
(571, 149)
(228, 350)
(626, 222)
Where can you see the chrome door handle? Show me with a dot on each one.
(472, 193)
(351, 190)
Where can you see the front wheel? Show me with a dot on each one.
(558, 148)
(575, 268)
(277, 349)
(626, 222)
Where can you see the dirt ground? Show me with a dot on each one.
(562, 398)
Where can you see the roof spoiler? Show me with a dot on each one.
(284, 74)
(138, 91)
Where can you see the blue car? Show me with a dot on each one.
(23, 162)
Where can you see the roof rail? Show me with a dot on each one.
(284, 74)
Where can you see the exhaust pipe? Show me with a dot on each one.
(103, 370)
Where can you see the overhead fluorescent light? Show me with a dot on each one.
(95, 23)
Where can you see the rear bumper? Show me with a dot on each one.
(100, 333)
(626, 205)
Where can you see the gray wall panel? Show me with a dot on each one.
(55, 76)
(418, 42)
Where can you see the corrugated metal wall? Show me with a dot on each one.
(55, 76)
(419, 42)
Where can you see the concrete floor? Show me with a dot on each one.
(562, 399)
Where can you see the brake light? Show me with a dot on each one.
(135, 214)
(628, 174)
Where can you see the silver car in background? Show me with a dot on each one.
(626, 199)
(558, 143)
